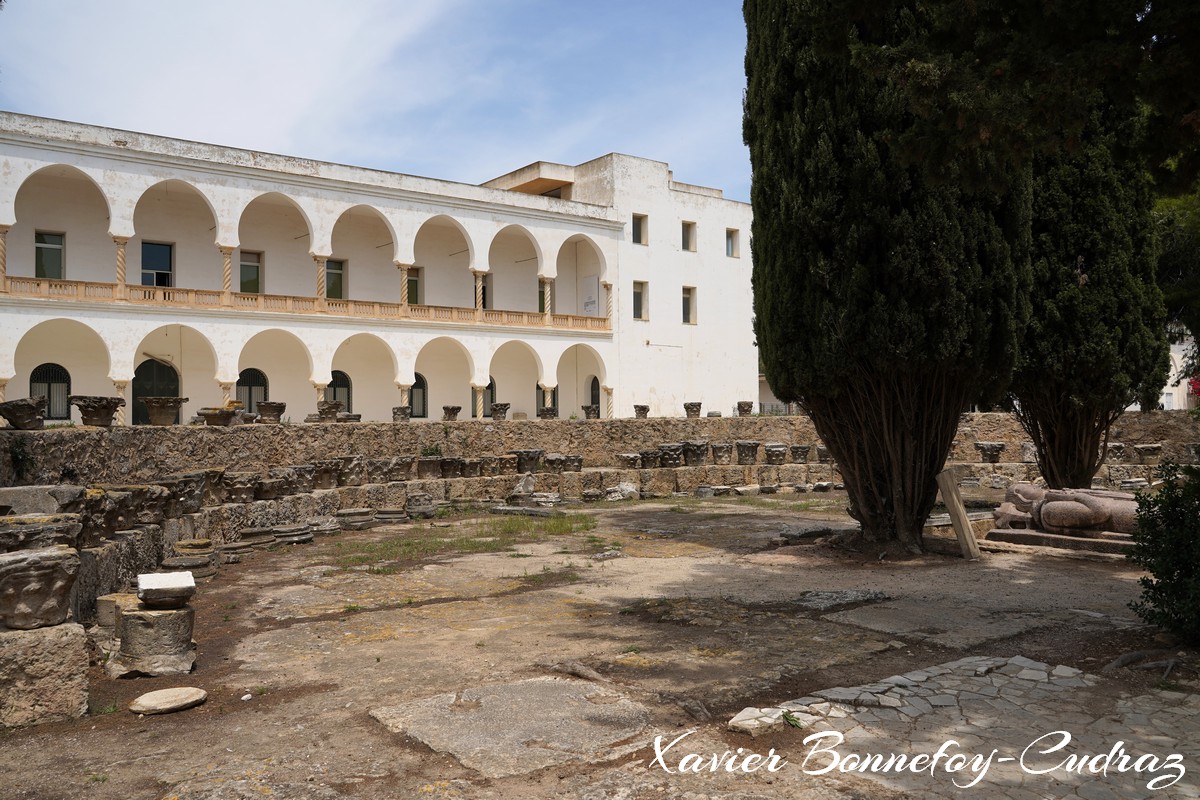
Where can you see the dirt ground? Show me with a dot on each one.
(689, 608)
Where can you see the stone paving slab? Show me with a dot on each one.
(963, 628)
(1048, 731)
(515, 728)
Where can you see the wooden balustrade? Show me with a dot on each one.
(93, 291)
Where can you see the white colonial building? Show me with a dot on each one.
(136, 265)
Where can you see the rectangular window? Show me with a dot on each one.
(641, 300)
(488, 297)
(689, 237)
(158, 261)
(414, 286)
(641, 229)
(541, 298)
(251, 276)
(48, 252)
(335, 279)
(689, 305)
(732, 248)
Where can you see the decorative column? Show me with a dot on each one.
(608, 401)
(608, 301)
(3, 260)
(547, 300)
(3, 388)
(547, 396)
(478, 293)
(226, 392)
(404, 299)
(405, 393)
(120, 291)
(477, 396)
(226, 275)
(320, 387)
(320, 285)
(119, 388)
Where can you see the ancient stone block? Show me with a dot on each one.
(641, 412)
(722, 453)
(451, 467)
(352, 471)
(36, 531)
(95, 410)
(420, 505)
(154, 643)
(35, 586)
(326, 472)
(43, 675)
(528, 459)
(774, 453)
(695, 453)
(591, 411)
(747, 452)
(691, 410)
(500, 411)
(162, 411)
(240, 486)
(269, 412)
(401, 413)
(327, 410)
(554, 462)
(649, 459)
(450, 413)
(800, 453)
(989, 452)
(629, 460)
(26, 414)
(506, 465)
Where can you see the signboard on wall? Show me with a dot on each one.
(591, 295)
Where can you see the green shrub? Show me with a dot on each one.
(1167, 545)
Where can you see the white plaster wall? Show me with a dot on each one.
(279, 232)
(576, 368)
(578, 262)
(71, 345)
(369, 364)
(445, 368)
(174, 213)
(515, 371)
(284, 360)
(191, 354)
(67, 204)
(440, 252)
(513, 263)
(662, 361)
(362, 240)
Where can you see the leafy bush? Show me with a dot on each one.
(1167, 545)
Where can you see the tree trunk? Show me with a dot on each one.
(1071, 439)
(890, 435)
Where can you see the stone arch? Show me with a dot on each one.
(276, 226)
(371, 365)
(177, 213)
(514, 261)
(67, 202)
(580, 270)
(447, 366)
(78, 348)
(577, 366)
(444, 253)
(517, 369)
(364, 240)
(286, 361)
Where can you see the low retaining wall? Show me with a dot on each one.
(135, 454)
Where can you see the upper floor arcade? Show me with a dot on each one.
(88, 216)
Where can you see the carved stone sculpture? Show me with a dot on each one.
(450, 413)
(745, 408)
(96, 410)
(327, 410)
(35, 586)
(218, 417)
(500, 411)
(692, 410)
(641, 412)
(163, 410)
(401, 413)
(1066, 511)
(800, 453)
(591, 411)
(722, 453)
(747, 452)
(269, 412)
(39, 531)
(774, 453)
(26, 414)
(695, 453)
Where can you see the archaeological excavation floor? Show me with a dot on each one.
(484, 657)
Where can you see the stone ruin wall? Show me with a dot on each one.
(129, 455)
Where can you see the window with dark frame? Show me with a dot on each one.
(49, 251)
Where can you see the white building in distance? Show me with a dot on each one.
(140, 266)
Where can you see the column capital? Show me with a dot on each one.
(402, 265)
(320, 259)
(606, 284)
(227, 249)
(479, 272)
(4, 228)
(121, 240)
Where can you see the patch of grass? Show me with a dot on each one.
(108, 709)
(492, 534)
(260, 690)
(520, 555)
(551, 577)
(98, 777)
(353, 607)
(678, 509)
(633, 648)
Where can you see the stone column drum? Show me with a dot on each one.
(747, 452)
(722, 453)
(96, 411)
(154, 642)
(270, 413)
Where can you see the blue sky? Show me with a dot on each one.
(457, 89)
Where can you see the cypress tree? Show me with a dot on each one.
(1096, 341)
(889, 292)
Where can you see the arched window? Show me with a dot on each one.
(153, 378)
(54, 383)
(594, 392)
(489, 397)
(419, 397)
(339, 389)
(252, 389)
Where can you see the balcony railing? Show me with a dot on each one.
(209, 299)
